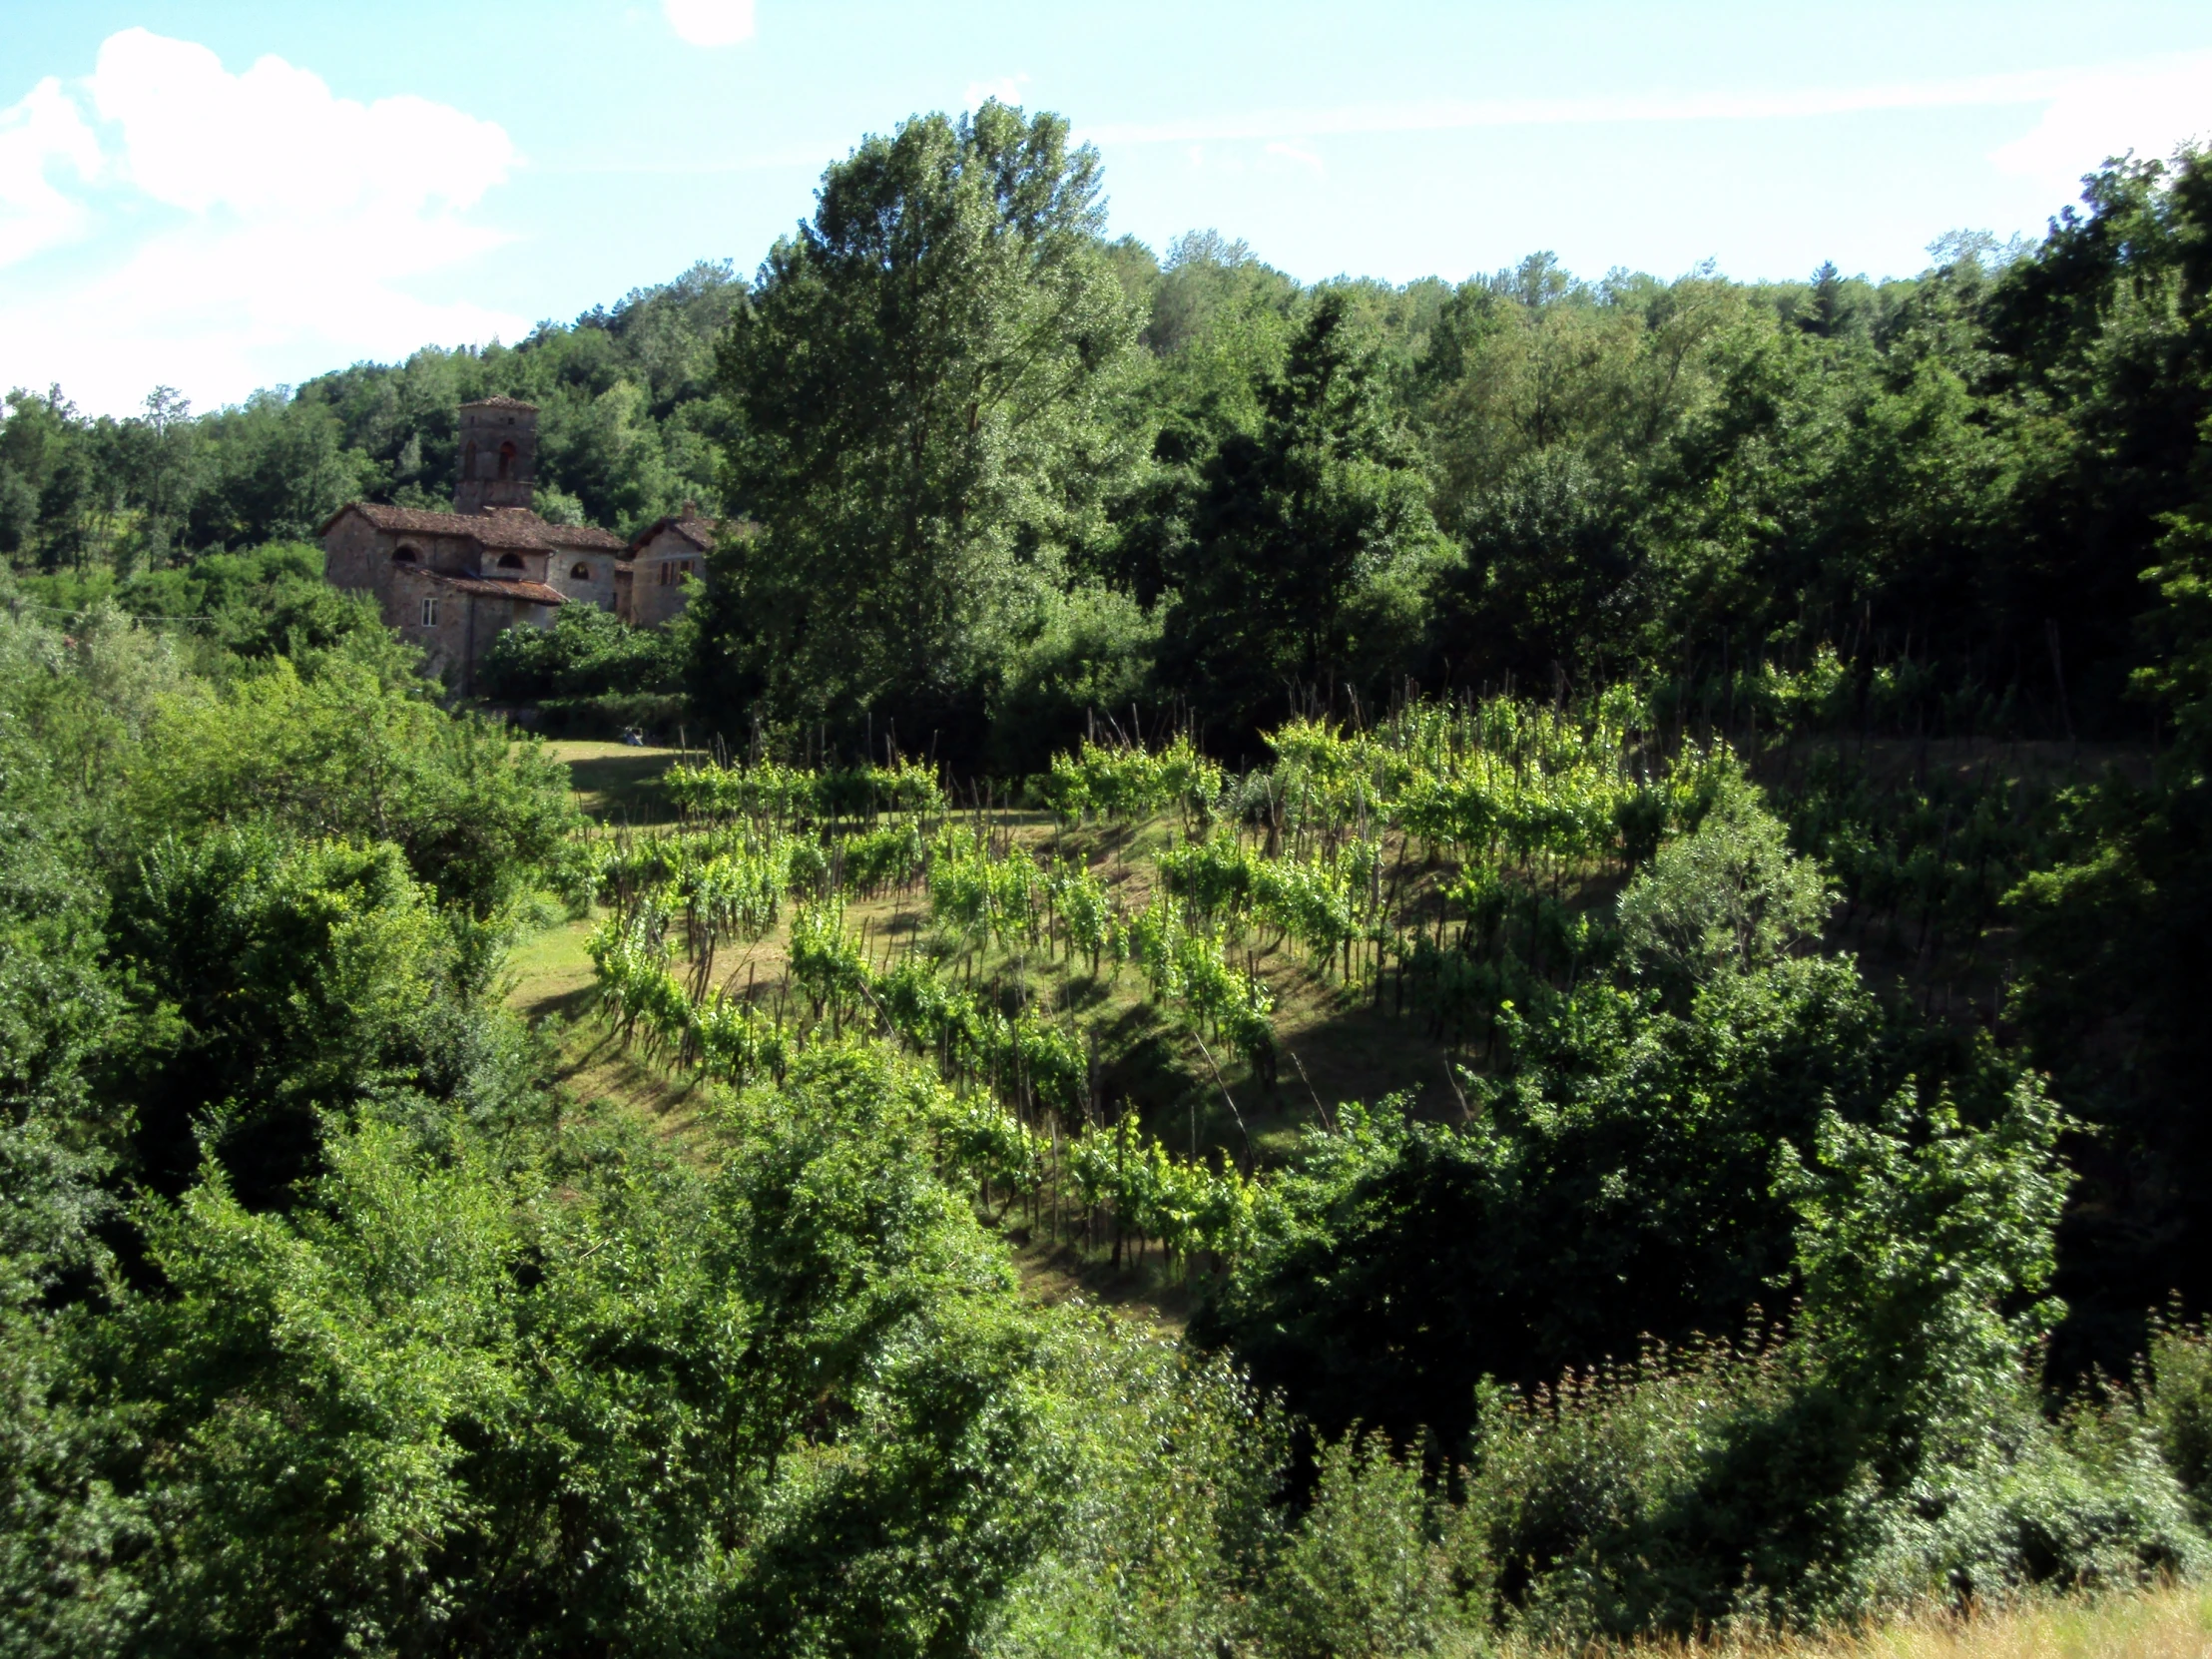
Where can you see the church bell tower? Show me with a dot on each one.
(498, 455)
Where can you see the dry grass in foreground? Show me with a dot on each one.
(2172, 1623)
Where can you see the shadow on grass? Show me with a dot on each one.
(570, 1008)
(622, 786)
(1057, 1271)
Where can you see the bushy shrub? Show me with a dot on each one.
(1617, 1181)
(587, 652)
(1169, 1473)
(611, 716)
(2179, 1394)
(525, 1401)
(1090, 651)
(1894, 1448)
(1364, 1573)
(1719, 1484)
(481, 817)
(1728, 896)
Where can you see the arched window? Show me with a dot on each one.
(579, 571)
(468, 460)
(405, 556)
(510, 561)
(506, 461)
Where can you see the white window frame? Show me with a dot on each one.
(429, 610)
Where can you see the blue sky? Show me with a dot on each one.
(220, 196)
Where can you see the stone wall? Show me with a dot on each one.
(459, 626)
(443, 632)
(360, 558)
(356, 556)
(487, 429)
(595, 585)
(664, 568)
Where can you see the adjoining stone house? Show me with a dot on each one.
(665, 557)
(453, 582)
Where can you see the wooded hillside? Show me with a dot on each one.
(1323, 971)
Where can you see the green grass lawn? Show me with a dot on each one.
(616, 782)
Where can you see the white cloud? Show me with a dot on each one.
(709, 22)
(37, 137)
(2083, 101)
(232, 231)
(275, 142)
(1006, 89)
(2150, 108)
(1302, 158)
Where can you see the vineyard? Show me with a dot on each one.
(1474, 966)
(1121, 979)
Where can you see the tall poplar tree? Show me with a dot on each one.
(923, 388)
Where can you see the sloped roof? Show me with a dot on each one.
(535, 593)
(418, 521)
(500, 403)
(509, 528)
(700, 532)
(584, 536)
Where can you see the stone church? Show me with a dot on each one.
(455, 582)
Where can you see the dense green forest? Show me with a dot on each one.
(1752, 744)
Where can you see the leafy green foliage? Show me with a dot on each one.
(1088, 649)
(1893, 1448)
(1715, 1487)
(1309, 543)
(275, 981)
(921, 378)
(327, 1324)
(1363, 1573)
(480, 815)
(2181, 1407)
(1550, 576)
(1617, 1181)
(586, 652)
(1728, 896)
(1124, 782)
(773, 795)
(777, 1406)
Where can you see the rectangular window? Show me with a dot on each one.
(430, 612)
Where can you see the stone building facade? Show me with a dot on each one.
(452, 583)
(498, 455)
(666, 558)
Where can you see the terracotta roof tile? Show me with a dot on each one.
(583, 535)
(535, 593)
(702, 533)
(500, 403)
(509, 528)
(419, 521)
